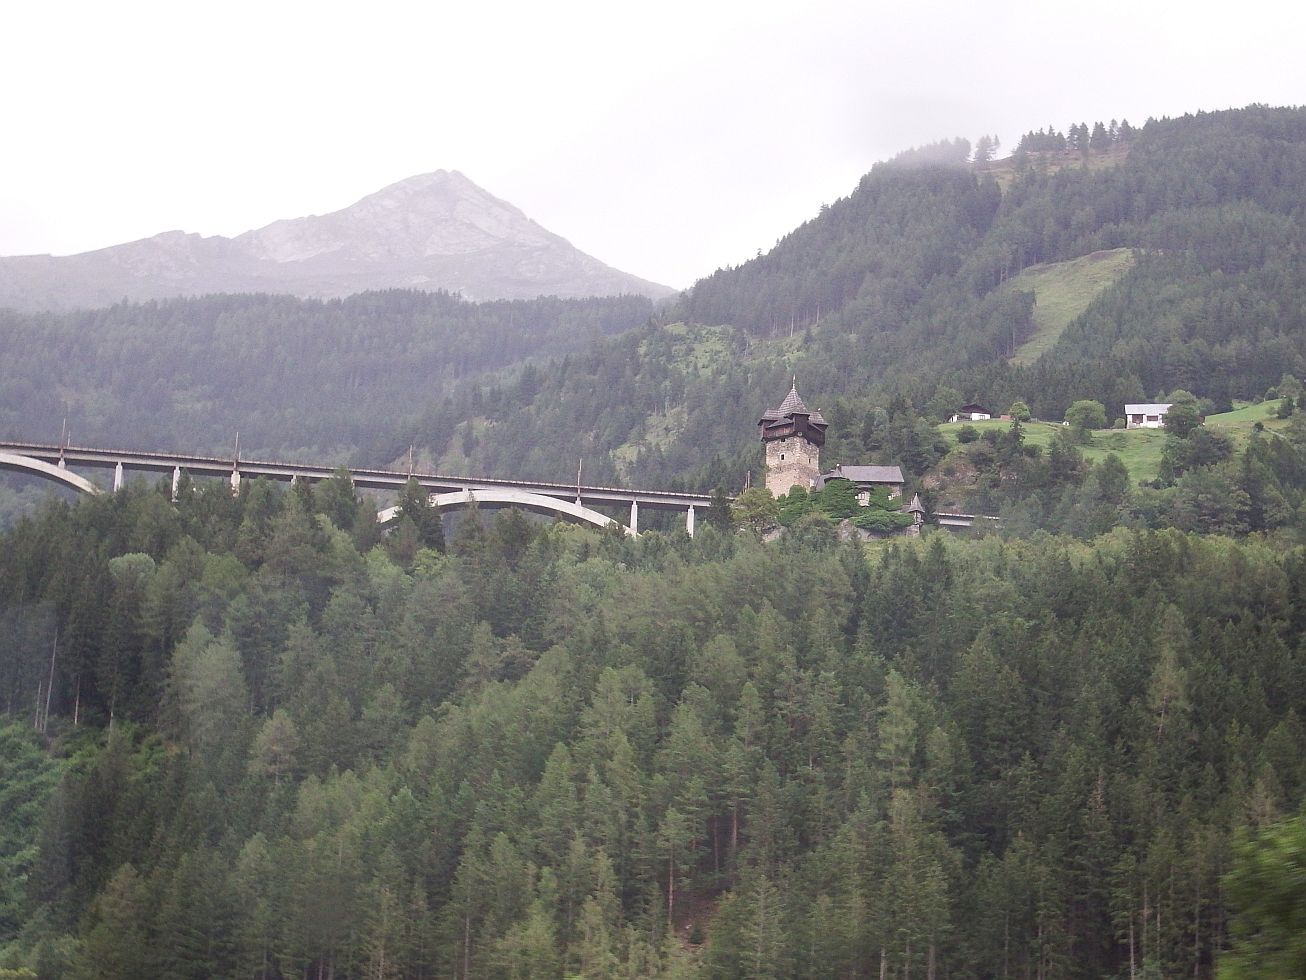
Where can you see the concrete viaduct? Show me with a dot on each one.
(571, 501)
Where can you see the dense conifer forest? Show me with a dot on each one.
(245, 738)
(336, 378)
(253, 736)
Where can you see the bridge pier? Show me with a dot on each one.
(117, 478)
(235, 480)
(634, 517)
(176, 482)
(689, 520)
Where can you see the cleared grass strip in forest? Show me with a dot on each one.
(1062, 291)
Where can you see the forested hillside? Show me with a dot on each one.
(898, 281)
(277, 748)
(895, 300)
(332, 380)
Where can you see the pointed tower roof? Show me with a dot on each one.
(793, 418)
(792, 405)
(915, 507)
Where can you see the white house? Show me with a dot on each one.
(971, 413)
(1146, 416)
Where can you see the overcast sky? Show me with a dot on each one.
(666, 139)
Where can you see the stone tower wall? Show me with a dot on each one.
(799, 467)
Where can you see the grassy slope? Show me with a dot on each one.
(1138, 449)
(1062, 291)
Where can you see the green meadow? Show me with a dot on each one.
(1138, 449)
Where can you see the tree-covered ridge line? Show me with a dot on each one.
(335, 377)
(1077, 138)
(549, 750)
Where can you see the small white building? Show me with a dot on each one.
(971, 413)
(1150, 415)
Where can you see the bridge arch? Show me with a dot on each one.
(514, 498)
(26, 464)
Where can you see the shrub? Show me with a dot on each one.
(794, 505)
(967, 433)
(871, 519)
(1086, 414)
(1184, 415)
(838, 499)
(1118, 424)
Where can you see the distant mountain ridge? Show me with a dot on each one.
(436, 231)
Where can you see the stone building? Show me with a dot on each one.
(792, 436)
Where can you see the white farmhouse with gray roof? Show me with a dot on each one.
(1149, 415)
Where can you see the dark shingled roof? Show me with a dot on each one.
(863, 474)
(792, 405)
(915, 506)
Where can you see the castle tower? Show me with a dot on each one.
(793, 436)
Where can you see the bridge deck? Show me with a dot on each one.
(372, 479)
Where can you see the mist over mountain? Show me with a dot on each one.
(436, 231)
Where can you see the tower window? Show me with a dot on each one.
(782, 455)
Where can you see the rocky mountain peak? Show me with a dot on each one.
(435, 214)
(437, 230)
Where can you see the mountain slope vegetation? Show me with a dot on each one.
(334, 379)
(270, 746)
(905, 296)
(1062, 291)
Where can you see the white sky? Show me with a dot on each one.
(666, 139)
